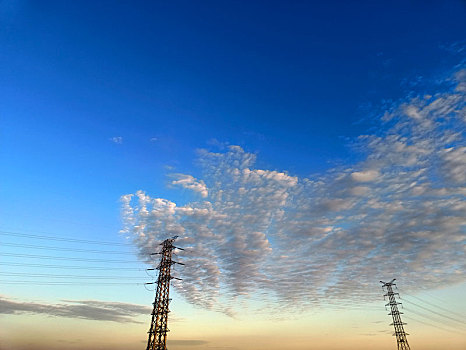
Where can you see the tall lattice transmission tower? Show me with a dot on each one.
(158, 327)
(400, 334)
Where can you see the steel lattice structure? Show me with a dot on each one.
(159, 324)
(400, 334)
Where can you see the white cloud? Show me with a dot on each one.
(412, 111)
(454, 164)
(360, 190)
(460, 76)
(190, 183)
(365, 176)
(401, 212)
(117, 139)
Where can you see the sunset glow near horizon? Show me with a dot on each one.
(301, 152)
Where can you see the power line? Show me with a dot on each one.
(432, 319)
(432, 325)
(59, 283)
(49, 275)
(435, 297)
(33, 246)
(435, 312)
(54, 218)
(61, 239)
(74, 267)
(431, 304)
(51, 257)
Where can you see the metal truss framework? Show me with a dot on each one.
(159, 324)
(400, 334)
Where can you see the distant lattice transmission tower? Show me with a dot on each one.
(400, 334)
(158, 328)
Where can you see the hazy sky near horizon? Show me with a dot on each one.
(302, 151)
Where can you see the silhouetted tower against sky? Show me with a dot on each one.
(400, 334)
(158, 328)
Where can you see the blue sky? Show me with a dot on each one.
(291, 81)
(101, 100)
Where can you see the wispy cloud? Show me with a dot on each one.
(117, 139)
(186, 342)
(401, 212)
(86, 309)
